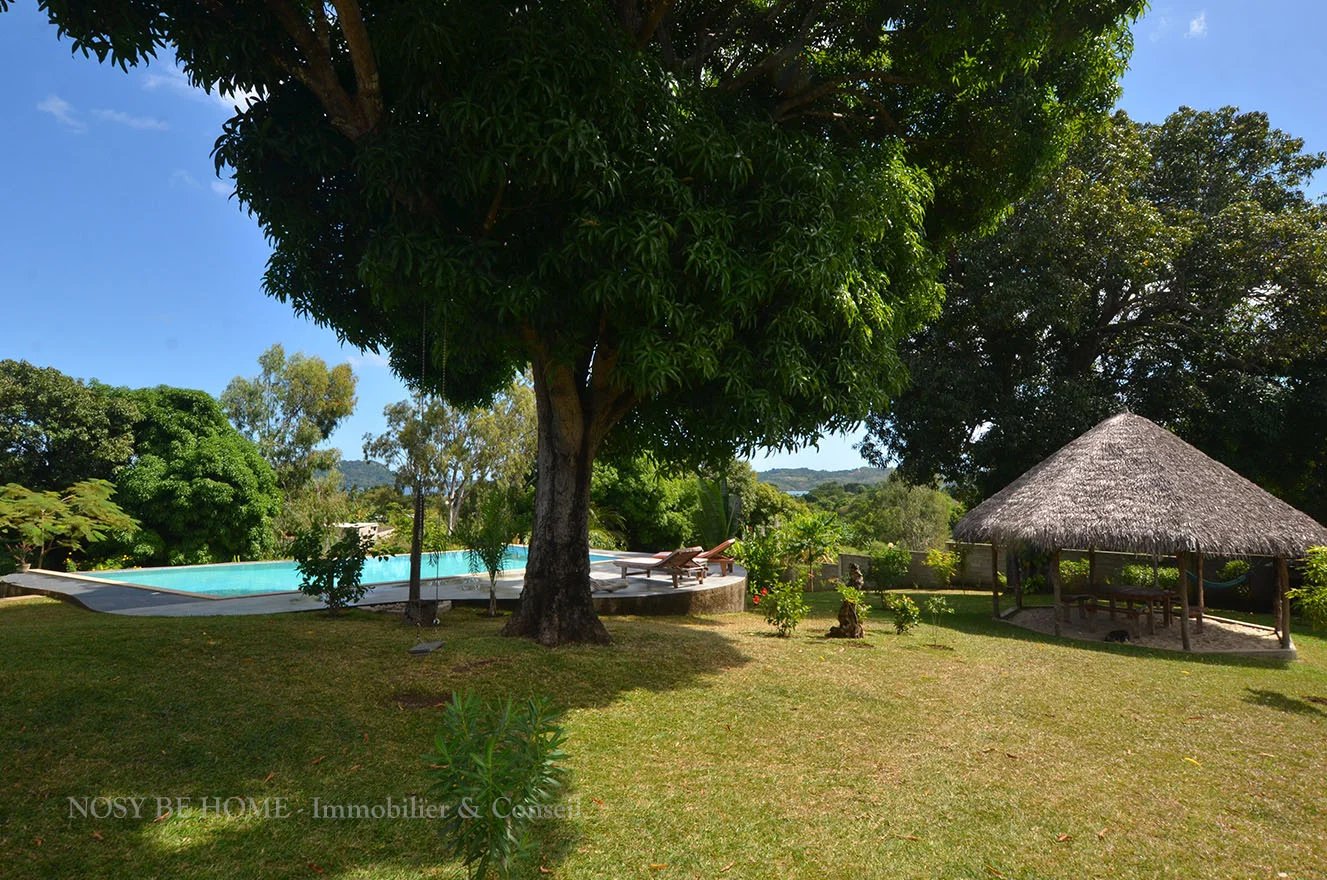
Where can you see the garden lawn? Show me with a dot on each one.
(698, 747)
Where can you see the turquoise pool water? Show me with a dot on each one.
(251, 578)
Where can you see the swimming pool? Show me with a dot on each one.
(253, 578)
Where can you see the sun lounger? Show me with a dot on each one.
(716, 555)
(679, 563)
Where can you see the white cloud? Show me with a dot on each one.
(1198, 26)
(143, 123)
(180, 177)
(221, 189)
(172, 79)
(63, 112)
(1160, 29)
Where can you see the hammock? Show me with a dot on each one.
(1220, 585)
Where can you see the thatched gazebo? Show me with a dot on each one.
(1130, 485)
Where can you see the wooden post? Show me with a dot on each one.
(1018, 578)
(1055, 586)
(1092, 569)
(1283, 599)
(1182, 560)
(995, 579)
(1202, 598)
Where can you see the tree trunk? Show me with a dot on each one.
(413, 613)
(556, 607)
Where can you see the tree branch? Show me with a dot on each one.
(317, 72)
(652, 21)
(368, 91)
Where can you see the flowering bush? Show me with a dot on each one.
(784, 606)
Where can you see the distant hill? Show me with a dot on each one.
(365, 475)
(805, 479)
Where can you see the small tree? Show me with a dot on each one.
(37, 522)
(332, 571)
(811, 539)
(487, 535)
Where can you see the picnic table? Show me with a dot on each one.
(1150, 597)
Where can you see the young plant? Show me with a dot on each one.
(486, 536)
(944, 563)
(330, 570)
(936, 606)
(906, 613)
(496, 767)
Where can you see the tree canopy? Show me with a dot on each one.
(202, 492)
(705, 225)
(289, 408)
(1177, 270)
(56, 430)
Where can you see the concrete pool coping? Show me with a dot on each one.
(612, 594)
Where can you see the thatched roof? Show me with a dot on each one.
(1130, 485)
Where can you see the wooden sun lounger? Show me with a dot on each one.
(679, 563)
(716, 555)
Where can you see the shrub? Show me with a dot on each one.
(1312, 595)
(1074, 574)
(1167, 577)
(784, 606)
(1233, 569)
(1033, 584)
(332, 570)
(495, 768)
(889, 565)
(762, 557)
(944, 563)
(906, 613)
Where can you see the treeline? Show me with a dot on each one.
(1177, 270)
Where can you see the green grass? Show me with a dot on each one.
(699, 748)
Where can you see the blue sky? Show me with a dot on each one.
(122, 257)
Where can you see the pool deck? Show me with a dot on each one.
(612, 594)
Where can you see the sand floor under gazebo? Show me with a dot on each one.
(1219, 636)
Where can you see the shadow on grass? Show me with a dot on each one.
(1281, 702)
(287, 706)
